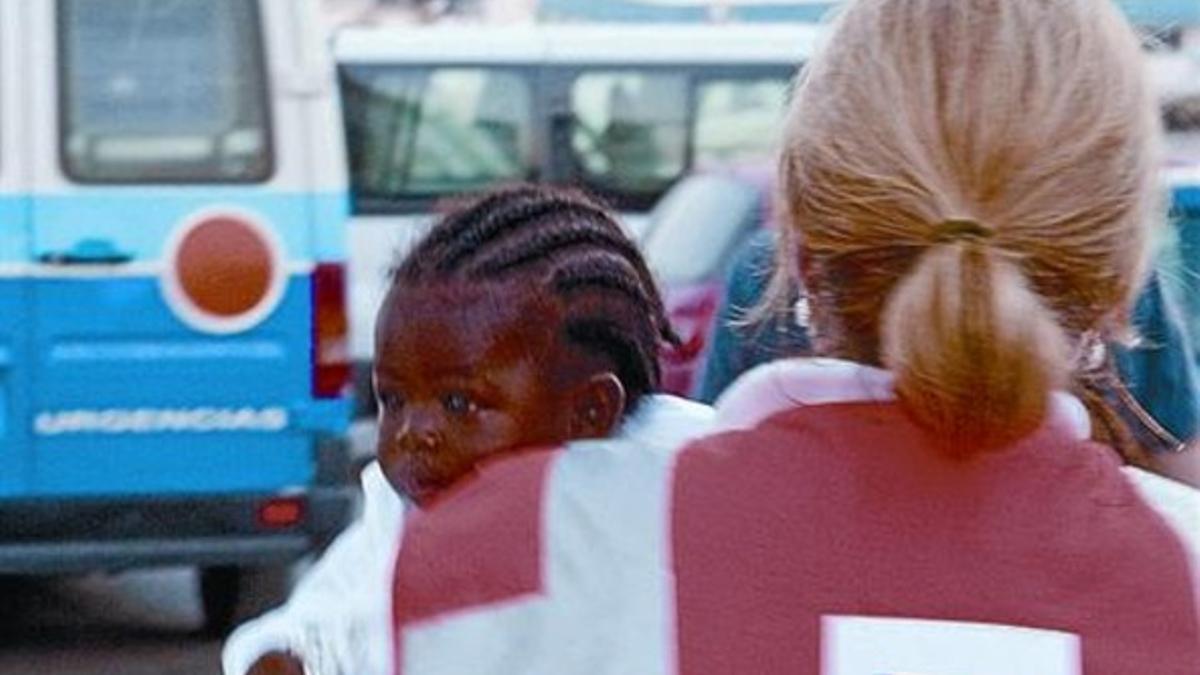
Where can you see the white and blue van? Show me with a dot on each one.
(173, 332)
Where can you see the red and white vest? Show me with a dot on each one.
(819, 532)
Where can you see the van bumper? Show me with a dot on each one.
(55, 536)
(109, 534)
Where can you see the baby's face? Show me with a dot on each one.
(461, 375)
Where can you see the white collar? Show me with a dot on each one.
(788, 383)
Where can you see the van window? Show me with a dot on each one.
(420, 132)
(630, 129)
(163, 91)
(738, 121)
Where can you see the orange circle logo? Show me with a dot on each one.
(223, 266)
(224, 271)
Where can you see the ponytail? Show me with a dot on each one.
(975, 351)
(1032, 117)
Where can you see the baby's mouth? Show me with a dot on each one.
(421, 479)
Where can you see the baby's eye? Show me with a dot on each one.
(458, 403)
(391, 401)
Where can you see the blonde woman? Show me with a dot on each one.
(973, 187)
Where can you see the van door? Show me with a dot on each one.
(172, 234)
(14, 257)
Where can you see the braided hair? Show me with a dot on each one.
(568, 245)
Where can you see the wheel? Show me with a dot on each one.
(220, 589)
(230, 595)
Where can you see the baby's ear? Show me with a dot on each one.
(596, 406)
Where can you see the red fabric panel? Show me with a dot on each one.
(847, 509)
(478, 545)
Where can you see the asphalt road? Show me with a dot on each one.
(137, 623)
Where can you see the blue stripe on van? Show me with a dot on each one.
(139, 220)
(14, 396)
(149, 365)
(14, 236)
(95, 342)
(92, 357)
(331, 214)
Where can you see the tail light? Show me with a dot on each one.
(281, 512)
(330, 343)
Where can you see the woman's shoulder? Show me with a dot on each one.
(778, 386)
(1176, 503)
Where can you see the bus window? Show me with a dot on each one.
(630, 129)
(737, 121)
(419, 133)
(163, 91)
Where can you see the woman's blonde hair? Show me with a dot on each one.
(972, 186)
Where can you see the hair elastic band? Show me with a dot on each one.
(959, 229)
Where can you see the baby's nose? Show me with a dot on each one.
(420, 440)
(418, 434)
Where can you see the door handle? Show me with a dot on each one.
(88, 252)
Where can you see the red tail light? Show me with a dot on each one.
(281, 512)
(330, 343)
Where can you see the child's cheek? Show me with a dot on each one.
(493, 432)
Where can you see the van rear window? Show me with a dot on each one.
(163, 91)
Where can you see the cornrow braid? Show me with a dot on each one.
(603, 280)
(630, 357)
(573, 235)
(463, 218)
(504, 220)
(472, 211)
(604, 272)
(570, 246)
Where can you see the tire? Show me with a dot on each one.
(230, 595)
(220, 590)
